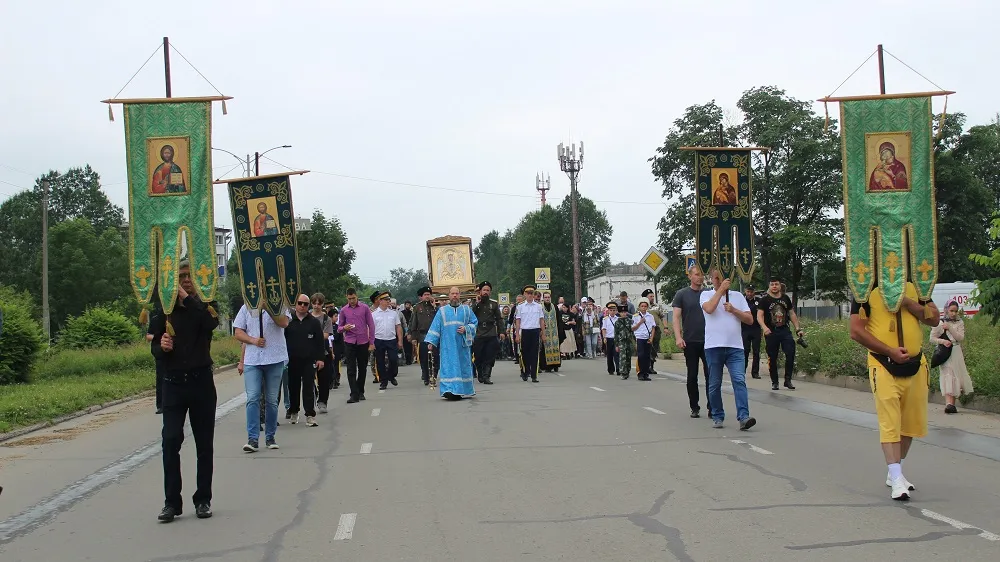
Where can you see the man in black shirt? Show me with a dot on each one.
(689, 335)
(407, 312)
(751, 333)
(489, 330)
(306, 351)
(182, 342)
(773, 314)
(420, 322)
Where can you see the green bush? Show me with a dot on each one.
(21, 339)
(98, 327)
(68, 362)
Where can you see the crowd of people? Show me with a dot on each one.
(458, 340)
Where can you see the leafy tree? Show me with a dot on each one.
(325, 259)
(979, 149)
(491, 260)
(21, 338)
(403, 284)
(988, 294)
(85, 268)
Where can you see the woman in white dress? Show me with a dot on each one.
(954, 375)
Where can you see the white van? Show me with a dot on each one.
(961, 292)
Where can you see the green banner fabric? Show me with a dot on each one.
(889, 208)
(264, 226)
(723, 212)
(168, 152)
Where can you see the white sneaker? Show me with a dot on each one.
(899, 491)
(321, 408)
(910, 487)
(311, 421)
(295, 418)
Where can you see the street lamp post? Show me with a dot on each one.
(256, 160)
(569, 163)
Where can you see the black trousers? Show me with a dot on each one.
(643, 351)
(751, 341)
(159, 384)
(301, 373)
(484, 353)
(196, 399)
(324, 377)
(611, 353)
(529, 352)
(424, 364)
(655, 349)
(407, 352)
(694, 352)
(356, 359)
(780, 340)
(338, 357)
(386, 361)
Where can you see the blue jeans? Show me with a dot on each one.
(254, 378)
(733, 359)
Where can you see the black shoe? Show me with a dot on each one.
(653, 372)
(352, 400)
(336, 385)
(624, 377)
(271, 443)
(747, 424)
(394, 383)
(524, 378)
(487, 381)
(950, 409)
(203, 510)
(612, 373)
(168, 513)
(774, 386)
(382, 386)
(251, 446)
(789, 386)
(159, 410)
(695, 414)
(755, 376)
(427, 382)
(534, 380)
(288, 414)
(362, 397)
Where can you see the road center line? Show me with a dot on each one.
(959, 525)
(366, 448)
(561, 374)
(381, 391)
(752, 447)
(597, 389)
(345, 529)
(654, 410)
(376, 412)
(40, 513)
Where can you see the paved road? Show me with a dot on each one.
(579, 467)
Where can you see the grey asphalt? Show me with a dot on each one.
(552, 471)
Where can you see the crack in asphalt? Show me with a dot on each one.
(797, 485)
(926, 537)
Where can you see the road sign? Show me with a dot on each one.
(542, 286)
(654, 260)
(543, 275)
(690, 261)
(504, 299)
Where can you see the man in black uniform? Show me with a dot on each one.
(420, 322)
(407, 312)
(488, 333)
(182, 341)
(751, 333)
(306, 351)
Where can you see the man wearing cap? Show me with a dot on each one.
(751, 333)
(660, 317)
(489, 330)
(407, 312)
(420, 322)
(388, 339)
(529, 325)
(358, 327)
(608, 335)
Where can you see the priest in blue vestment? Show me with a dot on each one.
(453, 331)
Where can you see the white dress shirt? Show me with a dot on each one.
(646, 325)
(609, 327)
(385, 323)
(530, 314)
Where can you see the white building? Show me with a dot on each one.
(615, 279)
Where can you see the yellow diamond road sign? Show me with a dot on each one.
(653, 261)
(543, 275)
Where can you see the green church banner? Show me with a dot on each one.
(264, 228)
(723, 211)
(889, 209)
(169, 161)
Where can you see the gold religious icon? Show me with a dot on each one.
(925, 269)
(892, 263)
(888, 161)
(449, 263)
(204, 273)
(143, 275)
(861, 270)
(168, 265)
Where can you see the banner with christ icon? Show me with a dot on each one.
(889, 209)
(724, 211)
(168, 145)
(264, 230)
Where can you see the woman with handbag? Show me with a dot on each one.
(949, 335)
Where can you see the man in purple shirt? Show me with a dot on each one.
(358, 327)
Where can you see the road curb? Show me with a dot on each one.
(89, 410)
(980, 404)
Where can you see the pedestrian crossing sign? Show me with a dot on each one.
(504, 299)
(543, 275)
(653, 261)
(689, 262)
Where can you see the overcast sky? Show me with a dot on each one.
(453, 94)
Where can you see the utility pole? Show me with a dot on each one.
(166, 63)
(542, 184)
(881, 71)
(569, 163)
(45, 262)
(256, 163)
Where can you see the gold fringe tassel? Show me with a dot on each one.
(212, 312)
(944, 115)
(111, 113)
(143, 316)
(929, 313)
(224, 112)
(170, 329)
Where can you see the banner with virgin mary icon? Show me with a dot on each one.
(724, 211)
(264, 230)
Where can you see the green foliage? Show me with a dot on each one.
(543, 238)
(97, 327)
(21, 338)
(988, 290)
(325, 260)
(402, 283)
(979, 149)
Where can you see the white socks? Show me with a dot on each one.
(895, 471)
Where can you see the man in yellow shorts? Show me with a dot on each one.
(898, 374)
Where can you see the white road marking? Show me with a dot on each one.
(381, 391)
(959, 525)
(38, 514)
(376, 412)
(597, 389)
(753, 448)
(561, 374)
(345, 529)
(366, 448)
(654, 410)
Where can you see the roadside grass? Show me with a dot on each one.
(71, 380)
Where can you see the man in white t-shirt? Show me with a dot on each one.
(725, 312)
